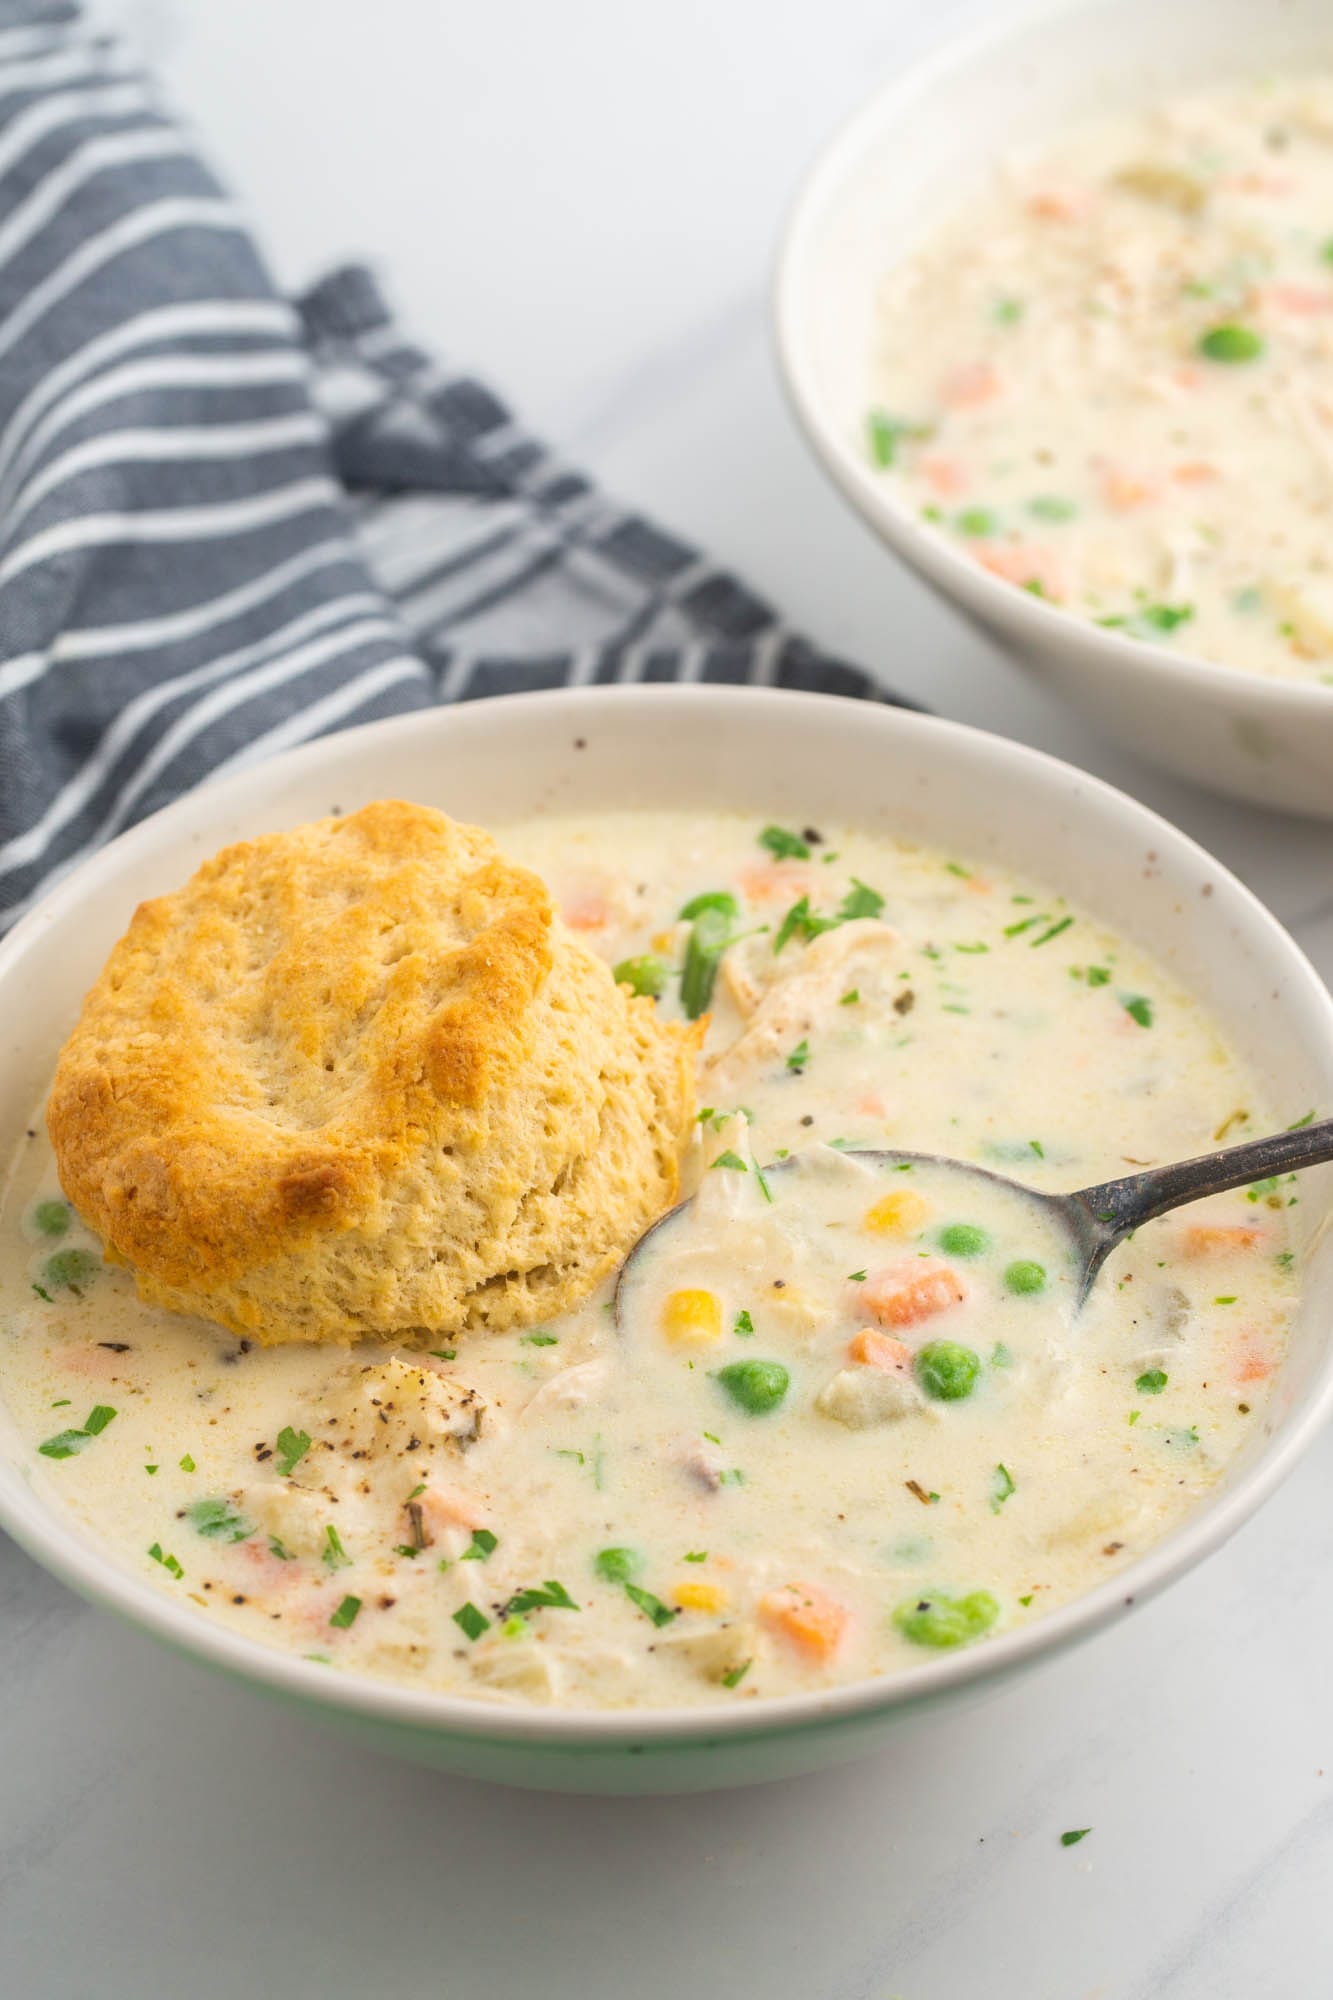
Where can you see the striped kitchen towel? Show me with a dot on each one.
(227, 526)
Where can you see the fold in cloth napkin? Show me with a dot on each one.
(227, 527)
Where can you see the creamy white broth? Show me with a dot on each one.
(598, 1503)
(1108, 378)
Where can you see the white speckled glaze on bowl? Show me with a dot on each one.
(782, 756)
(902, 161)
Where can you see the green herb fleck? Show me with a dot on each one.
(335, 1555)
(346, 1613)
(731, 1160)
(216, 1522)
(743, 1325)
(1075, 1834)
(51, 1218)
(538, 1340)
(652, 1607)
(799, 1057)
(616, 1565)
(737, 1674)
(1002, 1485)
(469, 1620)
(1138, 1008)
(536, 1597)
(187, 1463)
(169, 1563)
(786, 846)
(482, 1545)
(292, 1448)
(1230, 343)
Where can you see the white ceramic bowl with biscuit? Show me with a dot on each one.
(902, 162)
(774, 754)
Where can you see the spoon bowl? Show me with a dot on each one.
(1094, 1219)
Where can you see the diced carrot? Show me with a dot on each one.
(974, 383)
(978, 885)
(1187, 375)
(1207, 1239)
(87, 1358)
(878, 1350)
(1030, 567)
(871, 1105)
(1060, 204)
(809, 1618)
(1297, 301)
(905, 1294)
(446, 1507)
(945, 476)
(1253, 1366)
(1195, 472)
(1123, 491)
(775, 881)
(587, 913)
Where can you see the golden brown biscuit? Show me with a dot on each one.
(358, 1080)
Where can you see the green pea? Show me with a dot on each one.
(51, 1218)
(647, 975)
(758, 1386)
(71, 1268)
(1025, 1276)
(947, 1371)
(942, 1621)
(616, 1565)
(1231, 343)
(975, 521)
(964, 1239)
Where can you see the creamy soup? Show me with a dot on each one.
(841, 1415)
(1108, 379)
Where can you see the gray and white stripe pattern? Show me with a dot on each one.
(226, 527)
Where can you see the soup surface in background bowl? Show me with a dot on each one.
(844, 1420)
(1108, 379)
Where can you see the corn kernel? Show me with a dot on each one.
(898, 1214)
(692, 1318)
(699, 1597)
(664, 941)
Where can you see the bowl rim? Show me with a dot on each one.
(835, 167)
(96, 1572)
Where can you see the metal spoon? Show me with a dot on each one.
(1098, 1218)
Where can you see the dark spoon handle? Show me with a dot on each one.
(1115, 1207)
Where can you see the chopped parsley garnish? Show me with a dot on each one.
(1075, 1834)
(646, 975)
(800, 921)
(737, 1674)
(536, 1597)
(292, 1448)
(1002, 1485)
(1138, 1008)
(743, 1325)
(697, 1556)
(483, 1544)
(68, 1444)
(216, 1521)
(860, 901)
(51, 1218)
(976, 521)
(538, 1340)
(884, 434)
(471, 1621)
(169, 1563)
(652, 1607)
(1098, 975)
(445, 1353)
(187, 1463)
(335, 1555)
(277, 1548)
(150, 1470)
(1007, 312)
(346, 1613)
(1166, 617)
(799, 1057)
(786, 846)
(849, 999)
(732, 1160)
(1055, 931)
(1299, 1124)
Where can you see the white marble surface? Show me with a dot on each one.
(582, 199)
